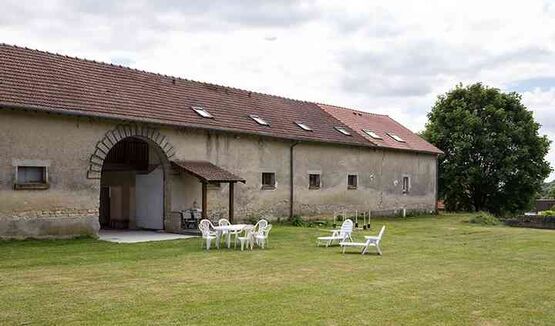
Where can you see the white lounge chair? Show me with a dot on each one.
(341, 235)
(208, 234)
(371, 241)
(261, 237)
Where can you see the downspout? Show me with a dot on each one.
(291, 179)
(437, 185)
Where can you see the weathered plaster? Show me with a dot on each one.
(69, 144)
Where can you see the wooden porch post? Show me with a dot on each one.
(204, 198)
(231, 201)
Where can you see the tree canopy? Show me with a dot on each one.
(494, 156)
(547, 190)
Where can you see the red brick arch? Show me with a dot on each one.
(119, 133)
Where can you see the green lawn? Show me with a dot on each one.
(435, 270)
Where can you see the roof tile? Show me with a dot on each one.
(383, 126)
(206, 171)
(40, 79)
(51, 82)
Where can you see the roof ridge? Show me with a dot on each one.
(156, 73)
(355, 110)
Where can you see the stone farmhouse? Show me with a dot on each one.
(87, 145)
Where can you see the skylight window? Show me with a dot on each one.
(397, 138)
(303, 126)
(259, 120)
(343, 131)
(371, 134)
(202, 112)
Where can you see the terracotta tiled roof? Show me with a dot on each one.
(32, 79)
(384, 127)
(207, 171)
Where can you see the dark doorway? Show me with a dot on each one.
(132, 187)
(104, 211)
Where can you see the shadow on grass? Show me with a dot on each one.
(358, 253)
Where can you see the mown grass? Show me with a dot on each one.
(435, 270)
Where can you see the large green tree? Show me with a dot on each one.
(494, 156)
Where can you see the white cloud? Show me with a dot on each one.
(542, 102)
(390, 57)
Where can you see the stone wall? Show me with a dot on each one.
(379, 172)
(71, 146)
(49, 223)
(69, 207)
(533, 221)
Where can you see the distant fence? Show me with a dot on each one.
(533, 221)
(342, 214)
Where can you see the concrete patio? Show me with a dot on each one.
(135, 236)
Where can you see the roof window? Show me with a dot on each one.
(397, 138)
(202, 112)
(343, 131)
(303, 126)
(371, 134)
(259, 120)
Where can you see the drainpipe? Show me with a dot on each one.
(437, 185)
(291, 178)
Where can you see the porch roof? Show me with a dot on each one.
(206, 171)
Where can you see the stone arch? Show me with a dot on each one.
(161, 146)
(119, 133)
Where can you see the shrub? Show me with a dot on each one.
(484, 218)
(297, 220)
(252, 219)
(550, 212)
(321, 223)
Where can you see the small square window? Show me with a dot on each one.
(396, 137)
(343, 131)
(268, 180)
(259, 120)
(314, 181)
(303, 126)
(371, 134)
(406, 185)
(202, 112)
(31, 177)
(352, 181)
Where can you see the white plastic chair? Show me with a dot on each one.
(371, 241)
(261, 238)
(258, 229)
(341, 235)
(223, 222)
(208, 234)
(245, 237)
(260, 225)
(226, 233)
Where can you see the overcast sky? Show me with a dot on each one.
(391, 57)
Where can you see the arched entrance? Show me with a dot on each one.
(133, 166)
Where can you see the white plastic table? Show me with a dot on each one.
(230, 228)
